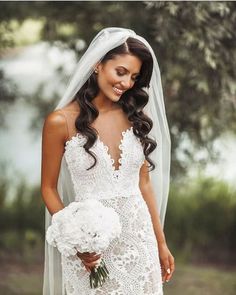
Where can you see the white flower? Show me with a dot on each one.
(86, 226)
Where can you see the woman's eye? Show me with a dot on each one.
(119, 74)
(122, 74)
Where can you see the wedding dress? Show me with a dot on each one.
(132, 259)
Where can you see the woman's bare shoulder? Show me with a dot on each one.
(55, 124)
(55, 118)
(56, 121)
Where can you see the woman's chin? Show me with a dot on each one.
(114, 97)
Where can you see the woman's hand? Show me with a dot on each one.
(89, 259)
(166, 261)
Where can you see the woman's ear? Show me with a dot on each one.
(96, 67)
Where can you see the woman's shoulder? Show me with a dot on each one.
(58, 122)
(59, 116)
(55, 126)
(55, 119)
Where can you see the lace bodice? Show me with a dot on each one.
(103, 180)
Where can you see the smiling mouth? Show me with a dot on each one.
(118, 91)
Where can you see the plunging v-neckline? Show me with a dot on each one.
(120, 146)
(105, 148)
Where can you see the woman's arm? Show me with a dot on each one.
(54, 136)
(148, 195)
(166, 258)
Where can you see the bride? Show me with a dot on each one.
(106, 132)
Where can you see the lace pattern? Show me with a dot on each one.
(104, 181)
(132, 260)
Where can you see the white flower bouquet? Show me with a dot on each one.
(86, 226)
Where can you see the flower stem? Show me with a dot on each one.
(98, 275)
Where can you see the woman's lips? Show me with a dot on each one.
(118, 91)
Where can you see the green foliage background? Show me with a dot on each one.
(195, 44)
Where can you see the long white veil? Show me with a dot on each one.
(103, 42)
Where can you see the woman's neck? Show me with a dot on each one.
(104, 104)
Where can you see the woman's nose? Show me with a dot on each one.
(126, 83)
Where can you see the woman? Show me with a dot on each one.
(96, 144)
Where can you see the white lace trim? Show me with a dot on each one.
(104, 178)
(120, 160)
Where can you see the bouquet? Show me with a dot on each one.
(86, 226)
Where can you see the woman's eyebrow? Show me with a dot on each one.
(127, 70)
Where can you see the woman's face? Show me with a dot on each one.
(118, 75)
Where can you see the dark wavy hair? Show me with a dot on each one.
(131, 101)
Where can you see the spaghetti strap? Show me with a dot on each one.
(70, 118)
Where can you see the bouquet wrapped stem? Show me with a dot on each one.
(98, 275)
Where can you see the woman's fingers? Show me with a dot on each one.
(89, 254)
(89, 257)
(171, 268)
(165, 269)
(87, 268)
(168, 268)
(90, 260)
(89, 265)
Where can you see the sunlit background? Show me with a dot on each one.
(195, 46)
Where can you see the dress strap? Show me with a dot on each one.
(70, 117)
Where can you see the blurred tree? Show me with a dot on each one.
(195, 46)
(8, 91)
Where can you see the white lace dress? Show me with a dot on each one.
(132, 260)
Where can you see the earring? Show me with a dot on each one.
(96, 71)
